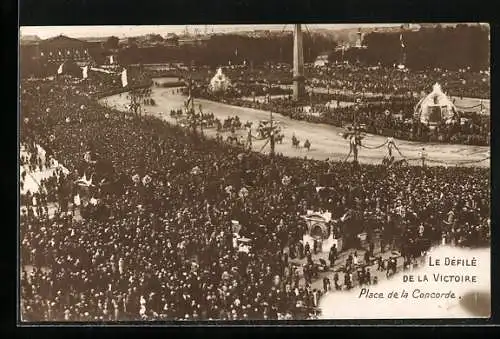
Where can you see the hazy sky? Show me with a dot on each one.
(124, 31)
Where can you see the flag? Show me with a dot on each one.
(60, 69)
(85, 71)
(111, 60)
(401, 39)
(124, 78)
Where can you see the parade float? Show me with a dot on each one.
(435, 107)
(220, 83)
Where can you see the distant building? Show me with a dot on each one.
(260, 33)
(427, 25)
(153, 37)
(44, 56)
(29, 39)
(171, 40)
(101, 42)
(61, 48)
(189, 41)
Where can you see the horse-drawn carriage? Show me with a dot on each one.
(228, 124)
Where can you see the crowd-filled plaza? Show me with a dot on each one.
(150, 195)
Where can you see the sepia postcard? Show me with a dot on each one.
(254, 172)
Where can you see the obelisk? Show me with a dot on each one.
(298, 64)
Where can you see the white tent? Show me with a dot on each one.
(220, 82)
(435, 107)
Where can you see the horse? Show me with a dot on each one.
(307, 145)
(236, 124)
(279, 138)
(295, 142)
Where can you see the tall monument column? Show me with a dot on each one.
(298, 64)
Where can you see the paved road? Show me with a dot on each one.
(325, 139)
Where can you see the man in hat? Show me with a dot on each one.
(332, 255)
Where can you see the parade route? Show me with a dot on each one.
(326, 141)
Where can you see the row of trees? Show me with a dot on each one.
(234, 49)
(448, 48)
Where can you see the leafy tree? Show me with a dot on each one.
(444, 47)
(155, 38)
(112, 43)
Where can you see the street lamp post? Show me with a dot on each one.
(271, 137)
(311, 93)
(201, 119)
(354, 116)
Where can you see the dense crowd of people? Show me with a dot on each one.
(359, 78)
(155, 235)
(383, 80)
